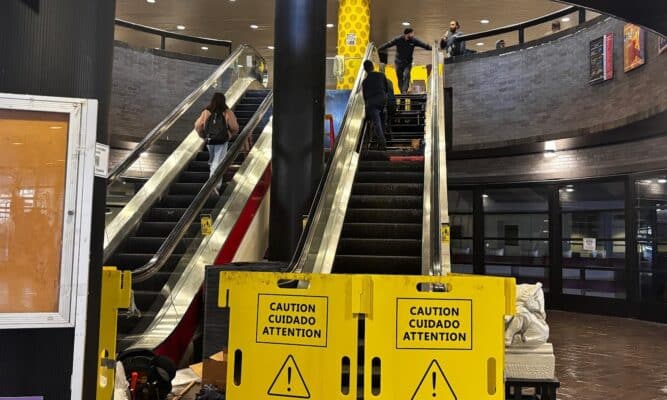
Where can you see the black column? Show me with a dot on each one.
(555, 248)
(298, 118)
(58, 48)
(478, 250)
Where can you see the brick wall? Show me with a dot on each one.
(542, 92)
(147, 85)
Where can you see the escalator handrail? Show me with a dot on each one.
(158, 261)
(160, 129)
(323, 180)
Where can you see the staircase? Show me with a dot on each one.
(141, 245)
(382, 231)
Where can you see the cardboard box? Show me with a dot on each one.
(213, 371)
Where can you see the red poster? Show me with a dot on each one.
(608, 56)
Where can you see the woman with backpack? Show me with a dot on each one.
(216, 125)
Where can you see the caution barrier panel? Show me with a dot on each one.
(297, 343)
(437, 337)
(424, 337)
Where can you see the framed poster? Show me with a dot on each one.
(662, 44)
(602, 59)
(634, 38)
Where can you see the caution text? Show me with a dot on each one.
(434, 324)
(295, 320)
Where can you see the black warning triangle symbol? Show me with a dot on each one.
(434, 385)
(289, 382)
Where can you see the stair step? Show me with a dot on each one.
(384, 265)
(185, 188)
(151, 244)
(132, 261)
(198, 166)
(381, 230)
(386, 166)
(194, 176)
(386, 189)
(372, 201)
(377, 215)
(144, 299)
(384, 247)
(184, 201)
(169, 214)
(389, 177)
(163, 229)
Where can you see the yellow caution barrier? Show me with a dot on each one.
(422, 337)
(116, 293)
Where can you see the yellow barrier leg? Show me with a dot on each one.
(354, 29)
(116, 293)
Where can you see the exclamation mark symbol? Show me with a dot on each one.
(433, 376)
(289, 379)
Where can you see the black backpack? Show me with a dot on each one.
(154, 373)
(216, 130)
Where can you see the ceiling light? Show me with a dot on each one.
(55, 127)
(405, 24)
(570, 186)
(204, 48)
(17, 143)
(480, 43)
(144, 154)
(253, 26)
(150, 1)
(271, 47)
(486, 196)
(330, 25)
(484, 21)
(662, 180)
(569, 190)
(565, 19)
(180, 27)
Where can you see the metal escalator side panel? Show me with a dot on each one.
(326, 224)
(185, 290)
(154, 188)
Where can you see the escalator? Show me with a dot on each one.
(382, 232)
(140, 247)
(157, 235)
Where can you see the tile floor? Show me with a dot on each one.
(603, 358)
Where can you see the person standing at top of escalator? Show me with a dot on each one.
(375, 90)
(217, 125)
(405, 48)
(451, 43)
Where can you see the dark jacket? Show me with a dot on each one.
(404, 48)
(451, 45)
(375, 89)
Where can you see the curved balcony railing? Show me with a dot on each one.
(164, 35)
(520, 29)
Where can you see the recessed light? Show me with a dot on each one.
(486, 196)
(144, 154)
(569, 190)
(565, 19)
(271, 47)
(150, 1)
(330, 25)
(662, 180)
(204, 48)
(17, 143)
(253, 26)
(55, 127)
(484, 21)
(180, 27)
(570, 186)
(405, 24)
(480, 43)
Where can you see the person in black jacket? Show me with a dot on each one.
(405, 48)
(375, 91)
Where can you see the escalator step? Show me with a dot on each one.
(198, 166)
(245, 107)
(184, 201)
(185, 188)
(156, 283)
(202, 156)
(163, 229)
(193, 176)
(386, 166)
(145, 299)
(169, 214)
(376, 215)
(389, 177)
(381, 231)
(132, 261)
(416, 189)
(386, 265)
(385, 247)
(147, 244)
(368, 201)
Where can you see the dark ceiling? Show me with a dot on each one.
(649, 13)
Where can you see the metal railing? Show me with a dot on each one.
(160, 129)
(164, 35)
(520, 28)
(318, 243)
(158, 261)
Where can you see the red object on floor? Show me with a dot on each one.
(175, 345)
(406, 159)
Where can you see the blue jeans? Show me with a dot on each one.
(216, 153)
(374, 115)
(403, 75)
